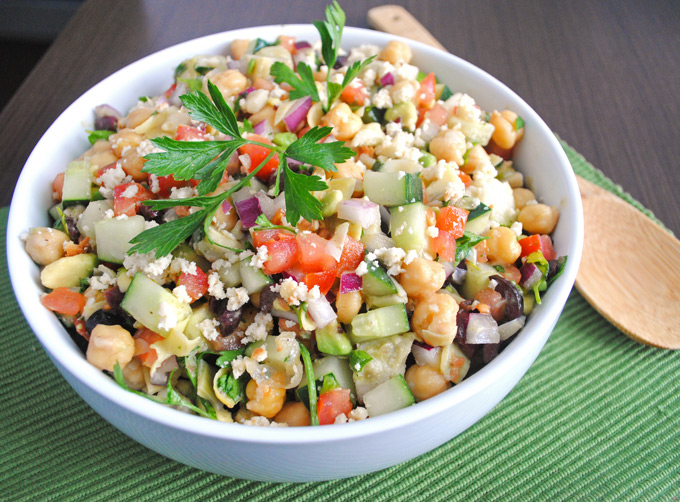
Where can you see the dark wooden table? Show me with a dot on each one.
(603, 74)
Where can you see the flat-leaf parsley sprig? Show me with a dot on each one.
(206, 161)
(303, 82)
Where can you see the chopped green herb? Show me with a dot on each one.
(181, 68)
(519, 123)
(329, 383)
(202, 70)
(311, 384)
(97, 135)
(499, 268)
(446, 93)
(465, 243)
(227, 356)
(194, 84)
(358, 359)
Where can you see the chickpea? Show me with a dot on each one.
(109, 344)
(504, 134)
(404, 89)
(422, 277)
(294, 415)
(100, 146)
(494, 300)
(425, 382)
(522, 197)
(125, 140)
(264, 399)
(267, 113)
(133, 373)
(344, 122)
(434, 319)
(348, 169)
(539, 218)
(515, 179)
(138, 116)
(239, 48)
(449, 145)
(511, 117)
(502, 246)
(396, 51)
(263, 83)
(230, 82)
(476, 158)
(46, 245)
(102, 159)
(132, 164)
(348, 306)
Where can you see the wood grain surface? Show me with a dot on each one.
(603, 74)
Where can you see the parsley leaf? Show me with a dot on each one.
(465, 244)
(311, 384)
(166, 237)
(299, 201)
(215, 113)
(194, 84)
(334, 90)
(358, 359)
(263, 223)
(183, 158)
(95, 136)
(227, 356)
(304, 85)
(330, 31)
(308, 150)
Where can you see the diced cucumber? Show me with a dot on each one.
(77, 184)
(332, 340)
(477, 278)
(54, 212)
(218, 250)
(391, 395)
(230, 274)
(198, 315)
(400, 296)
(379, 323)
(376, 282)
(113, 237)
(67, 272)
(478, 221)
(393, 189)
(93, 213)
(253, 279)
(340, 369)
(408, 226)
(474, 131)
(405, 113)
(154, 306)
(388, 359)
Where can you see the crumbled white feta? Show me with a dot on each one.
(364, 51)
(105, 280)
(167, 315)
(358, 413)
(260, 258)
(146, 147)
(382, 99)
(405, 71)
(216, 287)
(154, 184)
(113, 177)
(208, 328)
(294, 292)
(259, 328)
(147, 264)
(237, 298)
(182, 193)
(181, 294)
(517, 228)
(432, 231)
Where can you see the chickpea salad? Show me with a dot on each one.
(293, 234)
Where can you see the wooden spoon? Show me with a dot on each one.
(629, 268)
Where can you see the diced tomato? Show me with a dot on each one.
(189, 133)
(58, 187)
(352, 255)
(72, 249)
(444, 245)
(354, 95)
(452, 219)
(437, 114)
(167, 183)
(282, 249)
(426, 93)
(105, 168)
(64, 301)
(195, 284)
(332, 403)
(323, 279)
(171, 90)
(129, 205)
(257, 154)
(144, 338)
(537, 242)
(465, 178)
(287, 43)
(312, 254)
(79, 324)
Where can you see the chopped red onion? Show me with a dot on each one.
(360, 211)
(160, 376)
(226, 207)
(531, 274)
(285, 314)
(107, 111)
(263, 128)
(297, 113)
(387, 79)
(303, 44)
(506, 330)
(321, 311)
(458, 276)
(349, 281)
(448, 267)
(295, 274)
(425, 354)
(481, 328)
(248, 210)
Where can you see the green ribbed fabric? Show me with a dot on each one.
(597, 417)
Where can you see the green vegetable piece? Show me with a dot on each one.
(67, 272)
(311, 387)
(358, 359)
(427, 159)
(98, 134)
(331, 339)
(329, 383)
(405, 113)
(285, 139)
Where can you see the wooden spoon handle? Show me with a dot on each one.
(398, 21)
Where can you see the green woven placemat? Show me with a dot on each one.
(597, 417)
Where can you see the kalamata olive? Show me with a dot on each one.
(106, 123)
(229, 321)
(340, 62)
(108, 317)
(267, 297)
(217, 306)
(489, 352)
(148, 213)
(114, 297)
(73, 232)
(514, 300)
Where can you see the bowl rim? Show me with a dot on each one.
(105, 386)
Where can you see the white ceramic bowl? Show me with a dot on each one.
(291, 454)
